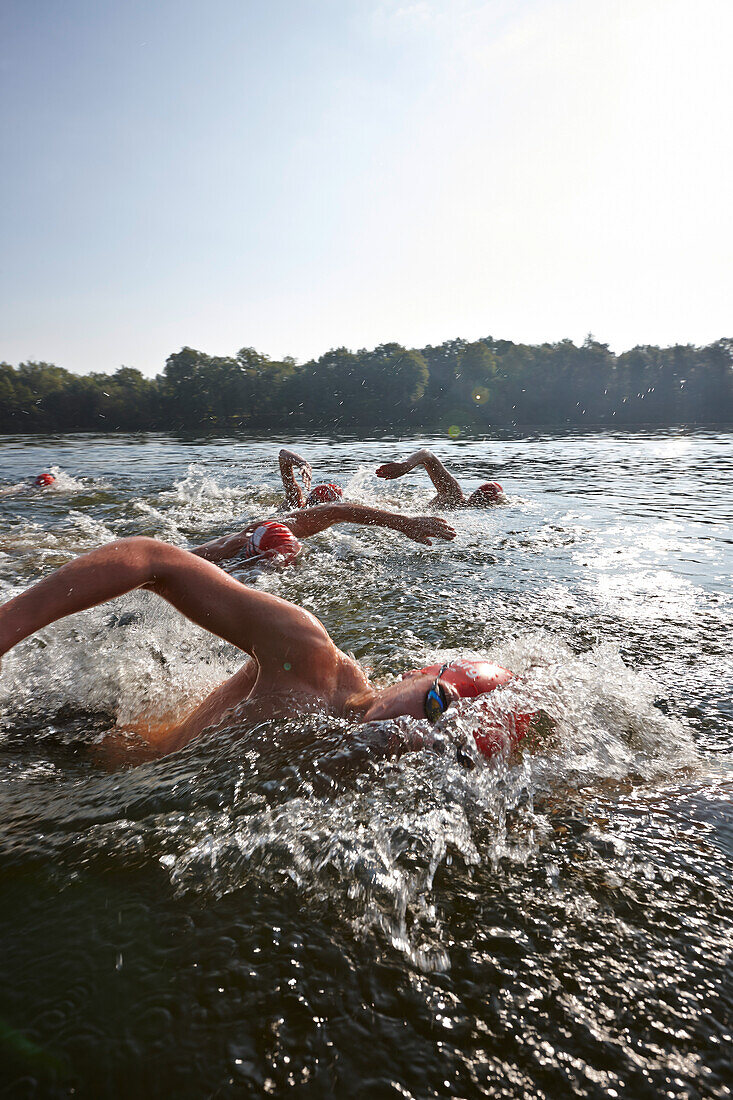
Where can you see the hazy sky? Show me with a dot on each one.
(296, 175)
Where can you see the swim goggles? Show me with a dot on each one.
(436, 700)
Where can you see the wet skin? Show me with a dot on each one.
(406, 697)
(449, 492)
(294, 662)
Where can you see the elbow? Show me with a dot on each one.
(141, 546)
(323, 516)
(153, 552)
(144, 560)
(330, 512)
(159, 557)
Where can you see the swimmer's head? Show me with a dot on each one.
(429, 692)
(487, 494)
(450, 682)
(461, 679)
(325, 494)
(44, 479)
(469, 680)
(273, 541)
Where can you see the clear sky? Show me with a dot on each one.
(296, 175)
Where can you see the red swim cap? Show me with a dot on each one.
(271, 539)
(325, 494)
(473, 678)
(491, 489)
(44, 479)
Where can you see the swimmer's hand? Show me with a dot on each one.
(306, 470)
(391, 470)
(306, 475)
(289, 460)
(425, 528)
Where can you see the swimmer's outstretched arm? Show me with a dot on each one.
(318, 518)
(311, 521)
(447, 488)
(295, 496)
(269, 628)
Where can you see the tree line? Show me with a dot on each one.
(486, 384)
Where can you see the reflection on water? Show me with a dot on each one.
(280, 908)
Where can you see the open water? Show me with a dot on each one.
(269, 912)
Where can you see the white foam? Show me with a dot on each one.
(67, 483)
(134, 657)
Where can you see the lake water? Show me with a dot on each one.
(257, 916)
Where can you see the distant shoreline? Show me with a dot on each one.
(485, 386)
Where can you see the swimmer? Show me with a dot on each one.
(449, 494)
(41, 481)
(278, 539)
(293, 665)
(305, 496)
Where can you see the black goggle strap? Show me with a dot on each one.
(436, 700)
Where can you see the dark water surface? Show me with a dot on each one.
(257, 916)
